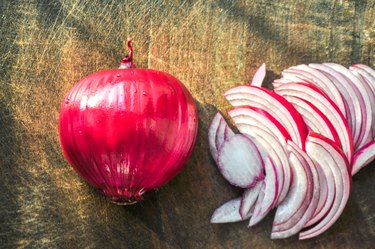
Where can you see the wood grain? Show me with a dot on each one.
(48, 45)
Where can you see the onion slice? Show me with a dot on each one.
(228, 133)
(369, 80)
(274, 104)
(259, 117)
(351, 95)
(229, 212)
(317, 98)
(327, 154)
(218, 132)
(278, 82)
(259, 76)
(314, 76)
(290, 211)
(327, 192)
(249, 198)
(365, 102)
(296, 222)
(315, 120)
(212, 133)
(363, 157)
(239, 161)
(271, 147)
(268, 194)
(368, 69)
(296, 195)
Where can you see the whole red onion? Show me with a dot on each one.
(128, 130)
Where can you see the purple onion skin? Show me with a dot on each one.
(128, 130)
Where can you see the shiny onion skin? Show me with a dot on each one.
(128, 130)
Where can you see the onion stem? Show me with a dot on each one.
(127, 62)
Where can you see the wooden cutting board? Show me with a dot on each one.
(48, 45)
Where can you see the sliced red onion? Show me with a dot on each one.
(327, 154)
(311, 75)
(363, 157)
(301, 217)
(228, 133)
(239, 161)
(218, 132)
(249, 198)
(317, 98)
(366, 68)
(259, 76)
(312, 187)
(259, 117)
(365, 102)
(315, 120)
(293, 77)
(297, 221)
(229, 212)
(298, 196)
(272, 148)
(278, 82)
(268, 194)
(326, 194)
(274, 104)
(369, 80)
(351, 95)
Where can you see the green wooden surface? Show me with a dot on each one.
(48, 45)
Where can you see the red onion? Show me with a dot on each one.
(313, 131)
(128, 130)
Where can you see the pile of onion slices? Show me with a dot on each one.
(298, 146)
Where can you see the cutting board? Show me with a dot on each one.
(48, 45)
